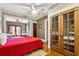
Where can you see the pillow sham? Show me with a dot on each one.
(3, 39)
(0, 38)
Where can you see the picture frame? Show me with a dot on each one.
(40, 25)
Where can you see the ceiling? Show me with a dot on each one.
(24, 9)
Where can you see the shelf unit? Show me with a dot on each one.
(64, 32)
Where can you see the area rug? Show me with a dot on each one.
(37, 53)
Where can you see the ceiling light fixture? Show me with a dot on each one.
(34, 11)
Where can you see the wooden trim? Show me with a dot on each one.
(61, 33)
(69, 10)
(68, 28)
(66, 11)
(76, 8)
(56, 14)
(76, 30)
(51, 31)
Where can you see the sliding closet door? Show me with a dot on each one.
(55, 32)
(71, 31)
(65, 25)
(68, 30)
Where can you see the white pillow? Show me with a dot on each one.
(0, 37)
(4, 39)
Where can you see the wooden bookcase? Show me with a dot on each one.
(64, 32)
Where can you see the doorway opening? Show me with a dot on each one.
(34, 29)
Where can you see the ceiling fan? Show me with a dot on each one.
(33, 9)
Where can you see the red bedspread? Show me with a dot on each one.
(20, 46)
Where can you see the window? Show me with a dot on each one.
(18, 30)
(15, 29)
(12, 29)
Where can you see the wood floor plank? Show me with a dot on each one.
(50, 52)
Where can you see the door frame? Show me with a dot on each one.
(46, 39)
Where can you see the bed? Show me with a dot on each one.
(20, 46)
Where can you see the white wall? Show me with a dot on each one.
(14, 19)
(0, 22)
(0, 25)
(0, 13)
(46, 30)
(57, 9)
(30, 28)
(22, 20)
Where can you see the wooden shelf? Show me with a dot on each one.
(71, 32)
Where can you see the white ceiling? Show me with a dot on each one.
(24, 9)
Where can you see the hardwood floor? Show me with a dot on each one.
(50, 52)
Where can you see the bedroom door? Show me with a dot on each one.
(34, 29)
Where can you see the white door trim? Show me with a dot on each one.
(46, 30)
